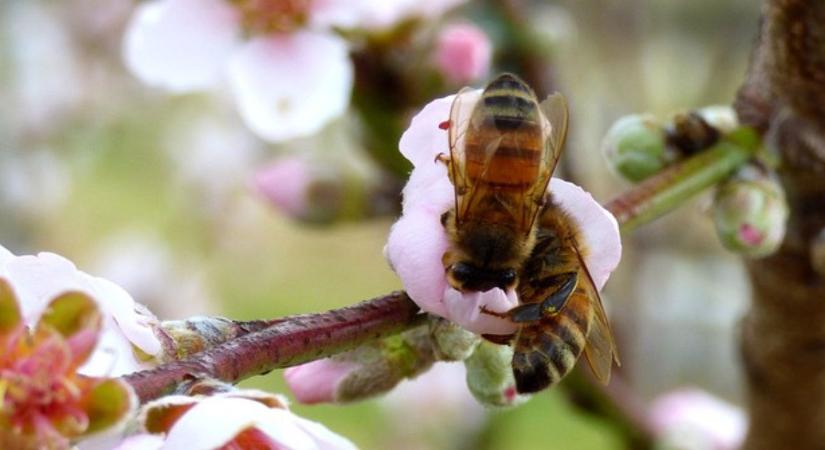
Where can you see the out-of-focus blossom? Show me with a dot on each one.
(418, 241)
(146, 267)
(692, 419)
(37, 279)
(231, 420)
(463, 52)
(378, 15)
(285, 183)
(44, 402)
(434, 410)
(490, 376)
(750, 212)
(45, 75)
(289, 78)
(33, 183)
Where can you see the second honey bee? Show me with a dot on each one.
(507, 232)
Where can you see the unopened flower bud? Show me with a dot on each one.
(750, 212)
(635, 147)
(490, 376)
(721, 117)
(463, 53)
(302, 190)
(452, 342)
(365, 372)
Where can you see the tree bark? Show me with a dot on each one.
(783, 335)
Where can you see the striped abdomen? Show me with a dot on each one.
(504, 144)
(547, 350)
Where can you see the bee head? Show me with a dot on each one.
(467, 277)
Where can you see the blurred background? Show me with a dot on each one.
(174, 197)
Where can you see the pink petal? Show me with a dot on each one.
(324, 438)
(181, 45)
(426, 137)
(317, 381)
(284, 183)
(429, 189)
(465, 309)
(697, 411)
(599, 228)
(414, 248)
(291, 85)
(463, 53)
(333, 13)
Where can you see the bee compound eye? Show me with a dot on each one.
(462, 271)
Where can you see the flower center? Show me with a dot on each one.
(272, 16)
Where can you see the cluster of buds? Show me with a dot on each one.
(640, 145)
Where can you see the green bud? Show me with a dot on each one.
(750, 211)
(490, 376)
(451, 342)
(635, 147)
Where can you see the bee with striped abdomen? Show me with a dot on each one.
(506, 232)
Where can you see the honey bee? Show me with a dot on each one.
(507, 232)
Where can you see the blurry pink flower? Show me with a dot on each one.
(318, 381)
(38, 279)
(418, 241)
(289, 78)
(693, 415)
(379, 15)
(285, 184)
(232, 420)
(463, 53)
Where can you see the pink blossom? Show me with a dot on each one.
(378, 15)
(318, 381)
(288, 79)
(418, 241)
(463, 53)
(694, 415)
(36, 279)
(284, 183)
(238, 419)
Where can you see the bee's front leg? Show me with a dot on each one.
(443, 158)
(489, 312)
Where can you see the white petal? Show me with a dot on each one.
(291, 85)
(324, 438)
(600, 229)
(425, 138)
(465, 310)
(140, 442)
(215, 421)
(181, 45)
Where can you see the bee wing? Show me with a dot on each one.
(600, 350)
(459, 122)
(554, 108)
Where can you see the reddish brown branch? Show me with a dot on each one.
(284, 344)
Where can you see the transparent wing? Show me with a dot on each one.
(554, 109)
(600, 350)
(459, 122)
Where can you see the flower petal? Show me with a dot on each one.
(599, 228)
(465, 309)
(291, 85)
(414, 249)
(317, 381)
(426, 138)
(10, 317)
(141, 442)
(181, 45)
(215, 421)
(284, 183)
(324, 438)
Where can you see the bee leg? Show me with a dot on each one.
(442, 158)
(500, 339)
(558, 299)
(490, 312)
